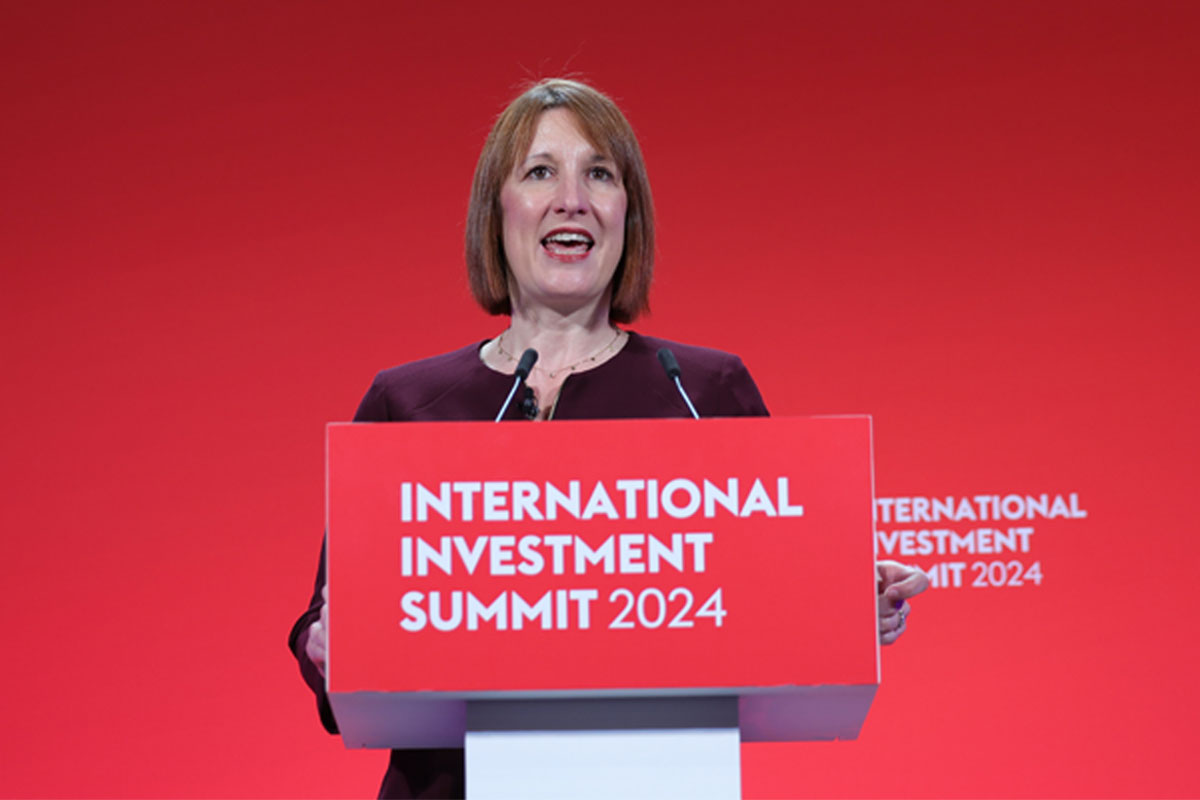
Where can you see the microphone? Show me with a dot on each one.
(529, 406)
(528, 358)
(671, 366)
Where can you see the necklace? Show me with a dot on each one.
(569, 368)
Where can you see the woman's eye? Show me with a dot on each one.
(601, 174)
(540, 172)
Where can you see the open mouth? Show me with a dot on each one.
(568, 243)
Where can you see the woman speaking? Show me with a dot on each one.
(560, 239)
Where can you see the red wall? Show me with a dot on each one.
(976, 222)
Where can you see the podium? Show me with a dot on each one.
(601, 608)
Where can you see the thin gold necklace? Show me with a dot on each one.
(552, 374)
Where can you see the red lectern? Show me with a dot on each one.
(602, 600)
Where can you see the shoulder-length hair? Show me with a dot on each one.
(610, 133)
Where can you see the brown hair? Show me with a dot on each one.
(610, 133)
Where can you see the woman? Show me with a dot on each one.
(560, 237)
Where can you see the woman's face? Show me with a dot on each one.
(563, 219)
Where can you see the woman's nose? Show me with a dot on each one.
(571, 196)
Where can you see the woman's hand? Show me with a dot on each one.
(897, 583)
(317, 645)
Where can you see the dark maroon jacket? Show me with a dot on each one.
(458, 386)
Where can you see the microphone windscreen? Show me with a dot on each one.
(528, 359)
(667, 359)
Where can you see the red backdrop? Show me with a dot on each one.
(976, 222)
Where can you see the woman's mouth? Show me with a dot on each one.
(568, 244)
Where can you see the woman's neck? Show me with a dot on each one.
(561, 336)
(565, 343)
(560, 339)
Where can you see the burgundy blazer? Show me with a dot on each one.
(458, 386)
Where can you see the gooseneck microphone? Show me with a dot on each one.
(667, 359)
(528, 358)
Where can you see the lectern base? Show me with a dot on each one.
(653, 748)
(693, 764)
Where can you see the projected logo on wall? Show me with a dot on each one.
(980, 541)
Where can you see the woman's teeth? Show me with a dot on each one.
(567, 242)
